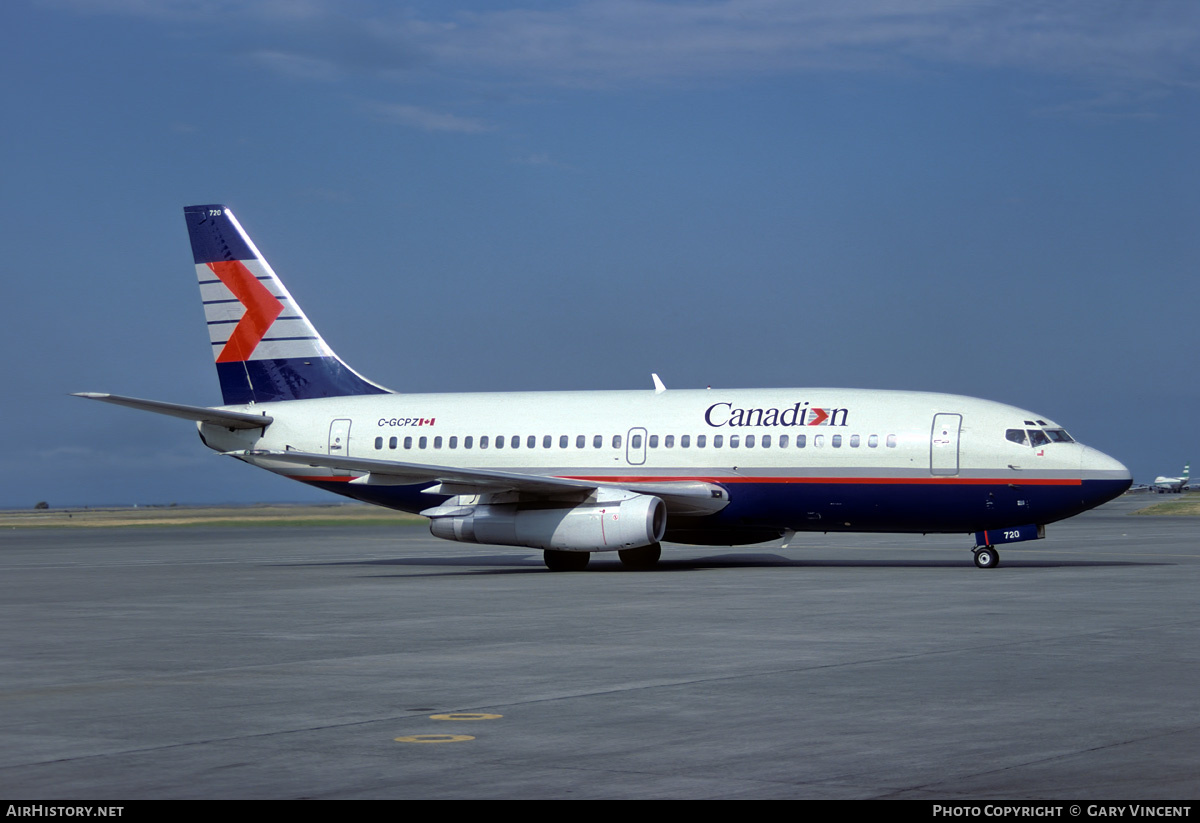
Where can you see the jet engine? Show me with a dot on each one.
(609, 521)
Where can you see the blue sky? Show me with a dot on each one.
(998, 199)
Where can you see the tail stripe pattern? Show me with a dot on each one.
(261, 310)
(264, 346)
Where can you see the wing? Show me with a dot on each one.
(687, 497)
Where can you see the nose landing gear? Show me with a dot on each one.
(987, 557)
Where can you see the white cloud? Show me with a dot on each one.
(621, 42)
(544, 160)
(426, 119)
(297, 66)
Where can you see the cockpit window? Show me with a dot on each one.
(1037, 438)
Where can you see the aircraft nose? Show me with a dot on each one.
(1095, 460)
(1103, 477)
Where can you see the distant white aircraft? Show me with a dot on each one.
(1164, 485)
(573, 473)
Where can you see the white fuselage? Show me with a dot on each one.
(790, 458)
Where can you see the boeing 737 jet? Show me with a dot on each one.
(1175, 485)
(572, 473)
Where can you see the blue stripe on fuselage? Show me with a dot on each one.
(847, 507)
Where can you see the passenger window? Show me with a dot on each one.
(423, 442)
(818, 441)
(392, 443)
(468, 441)
(515, 441)
(669, 441)
(891, 441)
(654, 441)
(437, 442)
(766, 444)
(749, 441)
(408, 442)
(837, 441)
(597, 441)
(718, 439)
(562, 442)
(616, 441)
(854, 441)
(783, 441)
(635, 442)
(531, 441)
(701, 440)
(379, 442)
(454, 442)
(547, 441)
(483, 442)
(734, 440)
(580, 441)
(800, 440)
(685, 441)
(500, 441)
(873, 441)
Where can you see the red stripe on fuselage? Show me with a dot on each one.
(915, 481)
(864, 481)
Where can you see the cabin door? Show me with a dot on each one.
(635, 447)
(943, 444)
(339, 438)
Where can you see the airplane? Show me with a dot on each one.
(1176, 485)
(574, 473)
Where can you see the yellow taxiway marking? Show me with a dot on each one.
(433, 738)
(465, 716)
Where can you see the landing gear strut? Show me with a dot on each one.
(987, 557)
(641, 559)
(558, 561)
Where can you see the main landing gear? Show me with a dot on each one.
(638, 559)
(641, 559)
(986, 557)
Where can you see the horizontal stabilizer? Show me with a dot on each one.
(203, 414)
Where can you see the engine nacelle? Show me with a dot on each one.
(613, 520)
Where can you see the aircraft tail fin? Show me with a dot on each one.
(264, 346)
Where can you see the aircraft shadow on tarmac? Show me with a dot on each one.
(532, 563)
